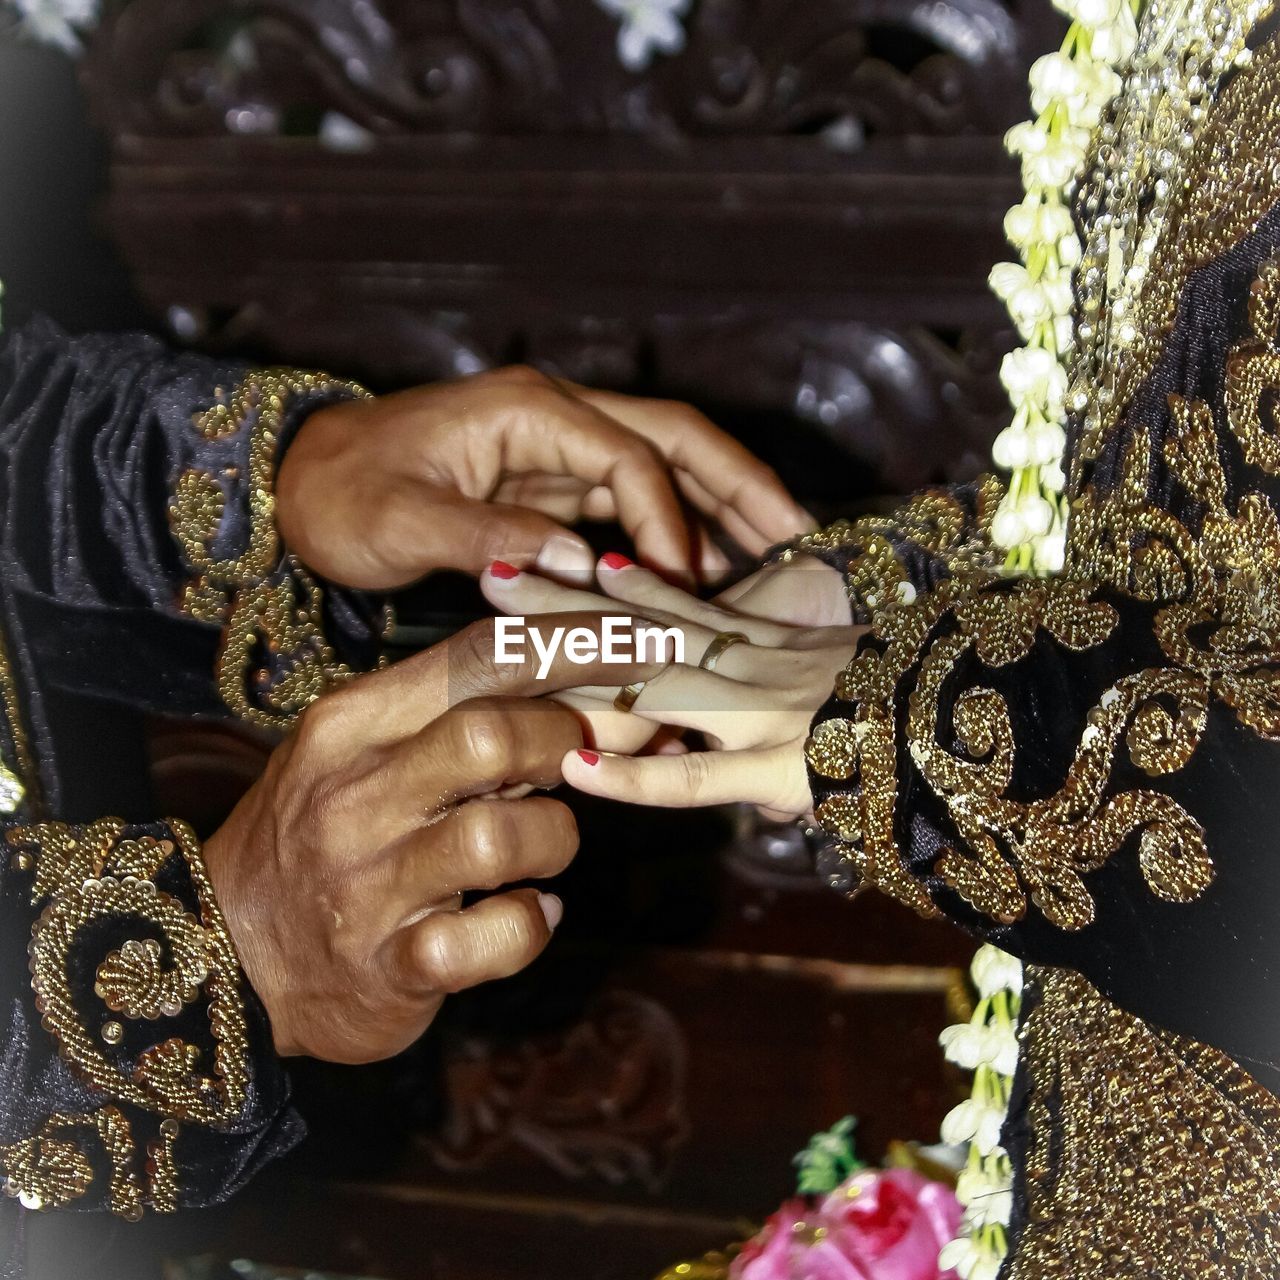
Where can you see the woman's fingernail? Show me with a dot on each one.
(589, 757)
(615, 560)
(552, 909)
(501, 569)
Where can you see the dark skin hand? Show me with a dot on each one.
(341, 873)
(376, 493)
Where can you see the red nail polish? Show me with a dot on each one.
(590, 757)
(615, 560)
(501, 569)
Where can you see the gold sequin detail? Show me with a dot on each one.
(18, 781)
(51, 1169)
(85, 876)
(712, 1266)
(1222, 187)
(1149, 1155)
(934, 521)
(268, 605)
(1218, 626)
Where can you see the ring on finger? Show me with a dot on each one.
(626, 699)
(724, 641)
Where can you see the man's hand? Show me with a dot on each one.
(376, 493)
(341, 873)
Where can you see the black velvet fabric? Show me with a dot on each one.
(94, 431)
(213, 1163)
(1209, 968)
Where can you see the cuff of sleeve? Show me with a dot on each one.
(286, 636)
(889, 560)
(165, 1091)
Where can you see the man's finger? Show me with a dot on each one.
(469, 535)
(477, 748)
(483, 844)
(387, 706)
(451, 951)
(729, 477)
(561, 434)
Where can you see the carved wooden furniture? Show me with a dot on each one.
(789, 223)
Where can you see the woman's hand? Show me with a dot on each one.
(754, 709)
(376, 493)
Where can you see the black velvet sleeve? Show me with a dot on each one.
(138, 530)
(1083, 769)
(137, 1071)
(890, 560)
(139, 565)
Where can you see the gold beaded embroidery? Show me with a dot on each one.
(712, 1266)
(934, 520)
(1218, 627)
(16, 782)
(1149, 1154)
(264, 599)
(1228, 185)
(88, 875)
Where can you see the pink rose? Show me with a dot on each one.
(876, 1226)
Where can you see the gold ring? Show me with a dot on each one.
(716, 649)
(626, 698)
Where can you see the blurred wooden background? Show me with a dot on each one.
(790, 224)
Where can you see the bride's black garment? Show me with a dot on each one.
(140, 570)
(1085, 770)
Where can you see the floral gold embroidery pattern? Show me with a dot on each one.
(274, 658)
(1150, 1154)
(86, 877)
(1009, 848)
(1230, 187)
(1216, 620)
(933, 521)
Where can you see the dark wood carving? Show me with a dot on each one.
(605, 1099)
(855, 67)
(790, 221)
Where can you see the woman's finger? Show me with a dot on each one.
(708, 702)
(517, 593)
(635, 585)
(499, 936)
(694, 780)
(512, 590)
(604, 728)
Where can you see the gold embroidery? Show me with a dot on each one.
(1011, 847)
(15, 783)
(52, 1169)
(1228, 185)
(712, 1266)
(85, 876)
(934, 521)
(1150, 1154)
(274, 658)
(1217, 624)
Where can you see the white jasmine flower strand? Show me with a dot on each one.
(987, 1045)
(1069, 91)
